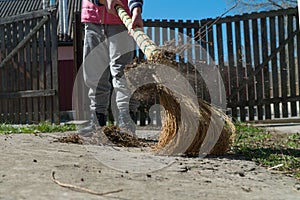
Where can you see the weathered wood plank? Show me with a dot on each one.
(265, 71)
(22, 75)
(54, 47)
(41, 67)
(188, 71)
(15, 78)
(2, 73)
(291, 64)
(249, 68)
(240, 69)
(221, 65)
(204, 58)
(298, 54)
(34, 72)
(232, 68)
(24, 16)
(28, 70)
(9, 73)
(48, 75)
(197, 60)
(259, 75)
(283, 65)
(28, 94)
(275, 81)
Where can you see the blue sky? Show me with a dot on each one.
(180, 9)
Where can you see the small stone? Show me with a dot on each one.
(82, 179)
(149, 175)
(34, 160)
(246, 189)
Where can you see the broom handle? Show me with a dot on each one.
(143, 41)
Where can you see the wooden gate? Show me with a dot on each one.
(28, 68)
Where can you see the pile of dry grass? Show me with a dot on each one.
(190, 126)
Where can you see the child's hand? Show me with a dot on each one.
(137, 20)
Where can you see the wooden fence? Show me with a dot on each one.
(28, 68)
(257, 55)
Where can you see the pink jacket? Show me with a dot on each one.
(98, 14)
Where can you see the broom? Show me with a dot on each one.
(214, 131)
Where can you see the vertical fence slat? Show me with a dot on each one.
(48, 72)
(275, 72)
(2, 73)
(41, 85)
(204, 56)
(258, 77)
(8, 81)
(221, 65)
(240, 70)
(266, 72)
(15, 78)
(197, 58)
(249, 68)
(22, 75)
(56, 117)
(292, 69)
(232, 68)
(298, 54)
(283, 67)
(34, 74)
(28, 70)
(189, 52)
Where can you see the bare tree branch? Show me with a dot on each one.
(259, 5)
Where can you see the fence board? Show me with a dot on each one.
(256, 59)
(48, 72)
(3, 73)
(232, 70)
(275, 72)
(28, 70)
(283, 66)
(298, 55)
(266, 72)
(204, 57)
(16, 79)
(291, 65)
(248, 59)
(41, 78)
(34, 74)
(9, 72)
(54, 66)
(240, 69)
(22, 75)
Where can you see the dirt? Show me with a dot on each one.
(29, 161)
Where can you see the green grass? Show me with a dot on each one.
(44, 127)
(268, 149)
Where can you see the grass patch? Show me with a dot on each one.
(43, 127)
(269, 149)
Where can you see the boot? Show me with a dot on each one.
(96, 119)
(126, 124)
